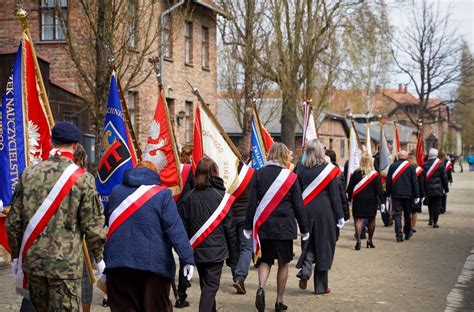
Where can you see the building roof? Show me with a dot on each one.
(405, 133)
(209, 4)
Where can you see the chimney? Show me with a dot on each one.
(378, 89)
(405, 88)
(400, 88)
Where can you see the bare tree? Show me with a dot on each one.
(428, 51)
(366, 39)
(127, 31)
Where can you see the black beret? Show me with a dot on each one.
(65, 132)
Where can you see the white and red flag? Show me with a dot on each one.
(209, 141)
(385, 158)
(161, 147)
(396, 140)
(309, 126)
(420, 156)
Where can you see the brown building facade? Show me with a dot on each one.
(190, 56)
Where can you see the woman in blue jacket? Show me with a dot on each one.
(139, 262)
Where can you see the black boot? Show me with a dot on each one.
(280, 307)
(260, 300)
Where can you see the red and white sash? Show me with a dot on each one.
(400, 170)
(419, 170)
(269, 202)
(449, 165)
(245, 176)
(320, 183)
(213, 222)
(131, 204)
(185, 169)
(364, 182)
(43, 215)
(432, 169)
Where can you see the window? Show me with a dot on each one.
(132, 109)
(167, 37)
(52, 12)
(132, 27)
(188, 43)
(205, 47)
(188, 129)
(71, 116)
(343, 148)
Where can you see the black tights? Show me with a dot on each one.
(359, 223)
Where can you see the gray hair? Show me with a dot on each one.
(314, 154)
(433, 153)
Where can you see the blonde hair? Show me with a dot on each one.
(412, 160)
(279, 153)
(366, 164)
(315, 154)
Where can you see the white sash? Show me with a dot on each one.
(432, 168)
(318, 180)
(399, 171)
(362, 183)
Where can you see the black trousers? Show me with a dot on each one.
(209, 281)
(434, 207)
(135, 290)
(444, 202)
(402, 205)
(183, 283)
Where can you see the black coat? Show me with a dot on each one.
(421, 186)
(407, 184)
(239, 207)
(449, 172)
(437, 186)
(323, 213)
(281, 223)
(366, 202)
(341, 181)
(197, 208)
(188, 185)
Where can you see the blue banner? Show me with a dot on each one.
(12, 133)
(257, 154)
(116, 153)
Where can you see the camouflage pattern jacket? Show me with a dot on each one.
(57, 252)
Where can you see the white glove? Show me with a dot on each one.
(417, 200)
(247, 234)
(382, 208)
(100, 268)
(188, 271)
(103, 279)
(1, 206)
(304, 236)
(15, 267)
(340, 223)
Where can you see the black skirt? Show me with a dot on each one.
(416, 208)
(276, 249)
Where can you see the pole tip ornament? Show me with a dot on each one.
(21, 14)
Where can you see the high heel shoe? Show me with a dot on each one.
(370, 244)
(357, 246)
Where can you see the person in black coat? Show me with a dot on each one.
(342, 187)
(448, 168)
(324, 212)
(416, 208)
(404, 192)
(436, 185)
(365, 199)
(279, 229)
(220, 244)
(239, 210)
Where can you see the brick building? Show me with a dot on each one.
(190, 54)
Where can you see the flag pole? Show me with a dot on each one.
(355, 131)
(259, 122)
(215, 121)
(22, 15)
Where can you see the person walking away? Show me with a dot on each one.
(144, 226)
(244, 257)
(322, 199)
(51, 261)
(189, 183)
(470, 161)
(448, 168)
(366, 194)
(416, 208)
(275, 202)
(436, 185)
(208, 221)
(342, 188)
(402, 188)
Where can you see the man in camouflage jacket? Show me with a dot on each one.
(53, 264)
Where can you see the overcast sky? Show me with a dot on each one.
(462, 17)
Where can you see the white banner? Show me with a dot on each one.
(354, 153)
(215, 147)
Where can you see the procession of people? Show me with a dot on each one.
(55, 206)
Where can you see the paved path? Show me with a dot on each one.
(434, 271)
